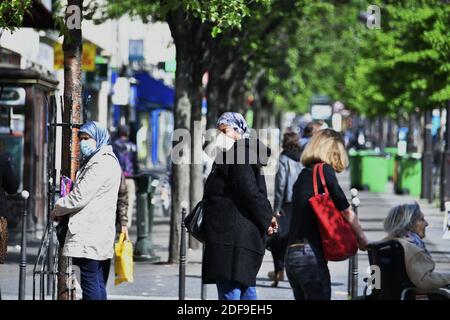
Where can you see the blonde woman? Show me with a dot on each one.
(306, 267)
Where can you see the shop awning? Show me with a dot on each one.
(152, 93)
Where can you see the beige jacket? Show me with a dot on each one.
(92, 208)
(420, 268)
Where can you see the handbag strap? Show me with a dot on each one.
(208, 179)
(322, 178)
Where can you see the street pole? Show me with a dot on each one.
(182, 276)
(445, 170)
(203, 288)
(427, 159)
(23, 249)
(353, 261)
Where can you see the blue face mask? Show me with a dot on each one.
(87, 147)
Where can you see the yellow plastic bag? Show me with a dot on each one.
(123, 264)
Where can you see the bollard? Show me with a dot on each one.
(182, 279)
(23, 250)
(353, 261)
(143, 250)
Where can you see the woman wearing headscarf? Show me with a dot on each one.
(406, 223)
(91, 206)
(238, 215)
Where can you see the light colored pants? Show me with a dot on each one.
(131, 186)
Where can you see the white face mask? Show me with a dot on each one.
(224, 142)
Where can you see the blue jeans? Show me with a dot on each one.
(232, 290)
(308, 274)
(92, 281)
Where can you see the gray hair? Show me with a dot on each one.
(402, 219)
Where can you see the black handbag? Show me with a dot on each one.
(194, 222)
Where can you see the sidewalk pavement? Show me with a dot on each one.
(160, 280)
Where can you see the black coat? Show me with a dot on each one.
(8, 181)
(237, 217)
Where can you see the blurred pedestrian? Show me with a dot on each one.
(406, 223)
(306, 136)
(8, 184)
(306, 267)
(289, 168)
(125, 151)
(91, 206)
(238, 215)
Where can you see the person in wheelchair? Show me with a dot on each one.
(406, 224)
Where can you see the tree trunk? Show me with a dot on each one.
(191, 39)
(427, 159)
(445, 165)
(72, 47)
(410, 138)
(196, 174)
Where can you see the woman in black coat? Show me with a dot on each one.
(238, 214)
(8, 184)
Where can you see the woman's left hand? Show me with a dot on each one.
(53, 216)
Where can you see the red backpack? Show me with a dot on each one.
(338, 239)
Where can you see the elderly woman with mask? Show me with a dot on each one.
(91, 206)
(406, 224)
(238, 215)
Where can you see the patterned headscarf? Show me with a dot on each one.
(97, 132)
(236, 121)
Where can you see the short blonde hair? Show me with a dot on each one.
(326, 146)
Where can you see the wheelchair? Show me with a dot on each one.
(394, 283)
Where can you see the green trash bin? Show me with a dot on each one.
(409, 174)
(369, 170)
(392, 152)
(355, 171)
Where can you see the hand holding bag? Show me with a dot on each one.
(123, 264)
(193, 222)
(338, 238)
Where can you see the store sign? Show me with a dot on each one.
(87, 57)
(121, 91)
(135, 50)
(12, 96)
(321, 111)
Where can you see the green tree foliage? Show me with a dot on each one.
(222, 14)
(405, 64)
(12, 12)
(312, 53)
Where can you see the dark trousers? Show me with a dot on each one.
(278, 242)
(278, 250)
(308, 274)
(106, 266)
(92, 281)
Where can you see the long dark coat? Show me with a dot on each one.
(237, 216)
(8, 181)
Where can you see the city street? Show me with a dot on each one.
(160, 280)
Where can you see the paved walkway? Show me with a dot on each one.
(160, 280)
